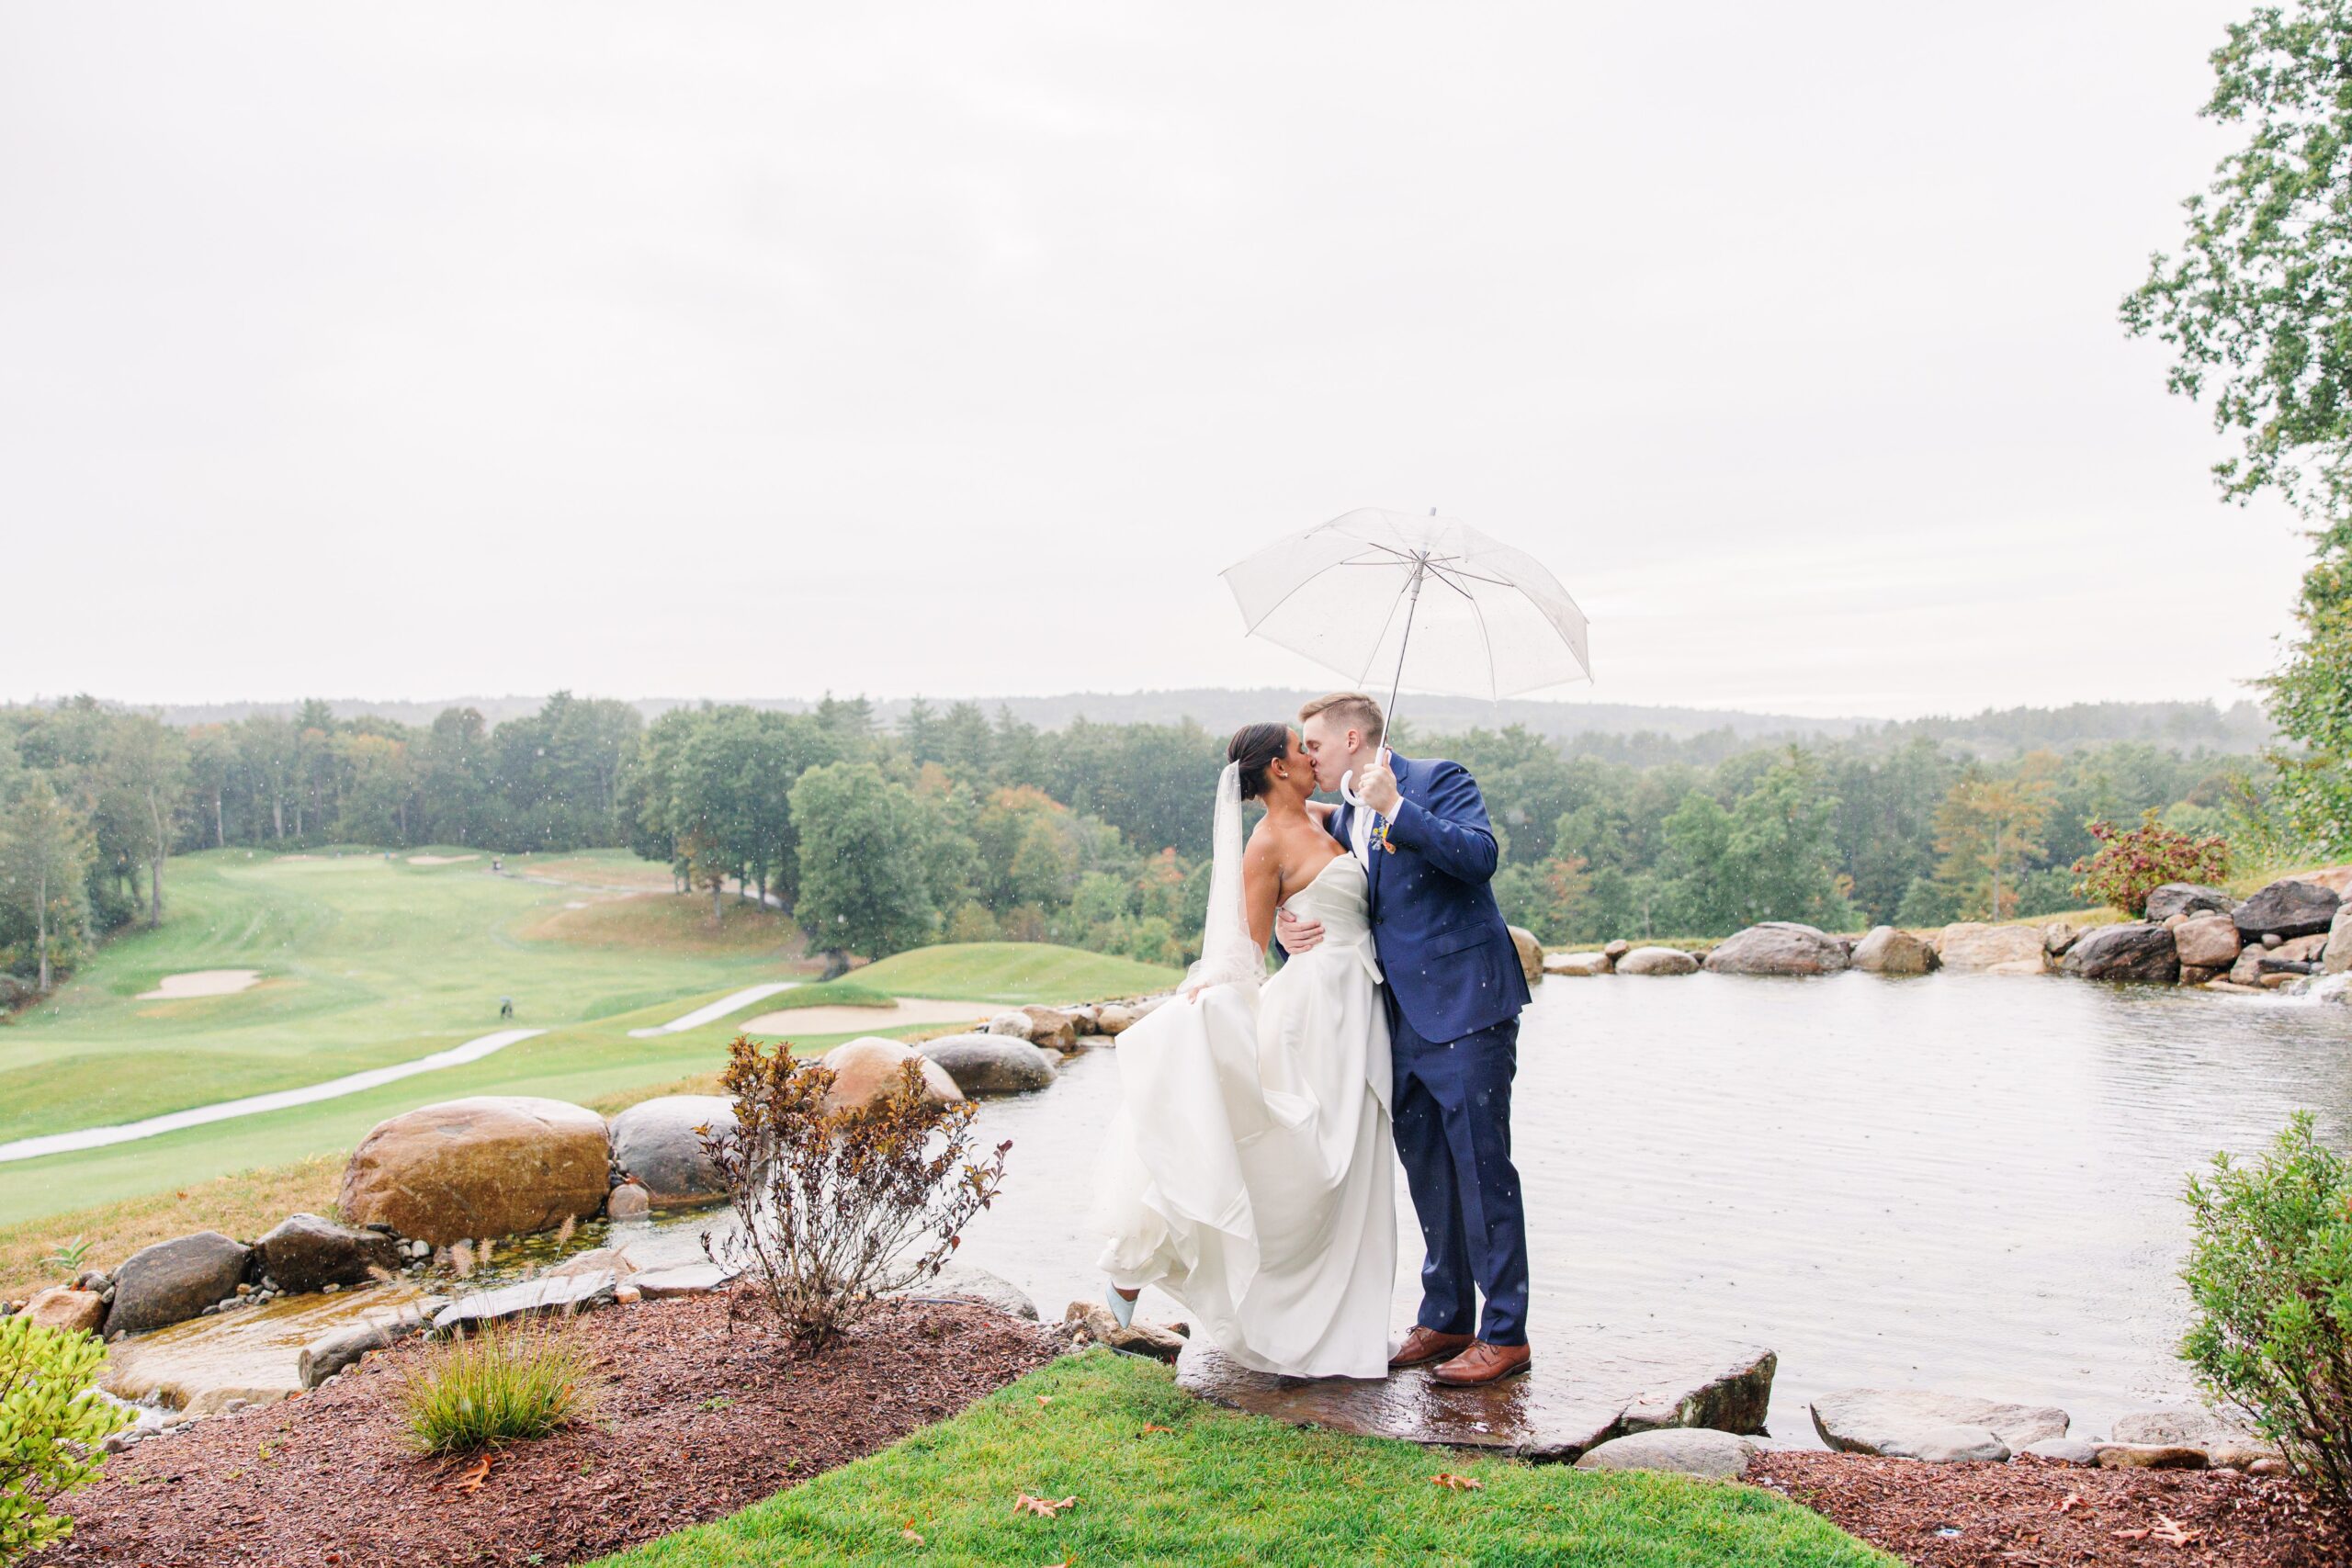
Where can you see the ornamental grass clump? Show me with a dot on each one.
(53, 1428)
(495, 1386)
(840, 1207)
(2131, 863)
(2269, 1277)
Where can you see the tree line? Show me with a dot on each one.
(954, 825)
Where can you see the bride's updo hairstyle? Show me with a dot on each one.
(1257, 747)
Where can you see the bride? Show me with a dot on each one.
(1250, 1170)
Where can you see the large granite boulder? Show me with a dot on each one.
(2141, 949)
(2288, 908)
(991, 1064)
(2337, 956)
(2208, 940)
(1886, 951)
(2219, 1442)
(175, 1280)
(1531, 953)
(1577, 966)
(305, 1253)
(1657, 961)
(1778, 947)
(62, 1306)
(864, 1070)
(1901, 1423)
(1047, 1028)
(1678, 1450)
(467, 1169)
(1972, 947)
(657, 1143)
(2188, 898)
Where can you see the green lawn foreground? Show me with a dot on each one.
(1220, 1487)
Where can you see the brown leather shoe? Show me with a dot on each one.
(1426, 1344)
(1484, 1363)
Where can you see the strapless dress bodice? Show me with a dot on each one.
(1341, 898)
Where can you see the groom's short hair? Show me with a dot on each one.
(1350, 710)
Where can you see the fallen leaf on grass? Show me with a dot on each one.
(2074, 1500)
(911, 1533)
(2170, 1533)
(1454, 1483)
(1042, 1507)
(1044, 1400)
(475, 1475)
(1149, 1428)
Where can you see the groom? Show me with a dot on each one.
(1453, 994)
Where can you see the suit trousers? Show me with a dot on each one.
(1452, 1112)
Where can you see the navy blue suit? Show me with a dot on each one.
(1453, 994)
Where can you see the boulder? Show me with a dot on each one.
(1531, 953)
(2248, 970)
(2139, 949)
(175, 1280)
(1886, 951)
(656, 1143)
(629, 1202)
(1617, 950)
(2150, 1456)
(1778, 947)
(2188, 898)
(1993, 950)
(2298, 950)
(556, 1293)
(340, 1348)
(1577, 966)
(2336, 958)
(2209, 940)
(2337, 879)
(1898, 1422)
(1051, 1029)
(679, 1280)
(62, 1306)
(961, 1281)
(2058, 936)
(304, 1252)
(1957, 1444)
(467, 1169)
(1657, 961)
(2077, 1451)
(2195, 975)
(2288, 909)
(1115, 1019)
(991, 1064)
(2184, 1428)
(1093, 1321)
(1678, 1450)
(864, 1070)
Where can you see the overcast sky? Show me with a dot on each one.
(412, 350)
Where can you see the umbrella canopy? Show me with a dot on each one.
(1441, 605)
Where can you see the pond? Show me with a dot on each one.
(1961, 1182)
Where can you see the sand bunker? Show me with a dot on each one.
(439, 860)
(201, 983)
(804, 1022)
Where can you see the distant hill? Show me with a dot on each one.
(2239, 727)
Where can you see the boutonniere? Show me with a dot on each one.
(1381, 835)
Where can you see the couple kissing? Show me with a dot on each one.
(1247, 1172)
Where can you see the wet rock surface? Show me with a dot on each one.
(1714, 1456)
(2140, 950)
(866, 1069)
(253, 1354)
(1898, 1422)
(491, 1166)
(1970, 946)
(656, 1144)
(174, 1281)
(991, 1064)
(306, 1252)
(2188, 898)
(1583, 1389)
(1657, 961)
(2288, 909)
(1778, 947)
(1886, 951)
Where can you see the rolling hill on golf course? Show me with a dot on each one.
(274, 974)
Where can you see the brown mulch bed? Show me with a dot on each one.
(693, 1421)
(2031, 1512)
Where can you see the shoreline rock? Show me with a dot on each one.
(1778, 947)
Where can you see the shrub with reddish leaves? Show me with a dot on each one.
(2132, 863)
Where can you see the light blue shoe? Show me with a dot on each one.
(1121, 1307)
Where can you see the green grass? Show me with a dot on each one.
(1013, 972)
(829, 994)
(367, 963)
(1220, 1487)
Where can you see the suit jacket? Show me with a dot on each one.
(1451, 966)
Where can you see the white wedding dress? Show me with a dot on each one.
(1249, 1171)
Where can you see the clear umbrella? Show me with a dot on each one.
(1363, 591)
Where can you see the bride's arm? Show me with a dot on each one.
(1262, 886)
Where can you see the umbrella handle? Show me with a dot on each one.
(1348, 781)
